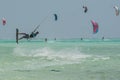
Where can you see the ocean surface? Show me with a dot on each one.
(66, 59)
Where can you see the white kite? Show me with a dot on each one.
(116, 10)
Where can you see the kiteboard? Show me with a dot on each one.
(17, 31)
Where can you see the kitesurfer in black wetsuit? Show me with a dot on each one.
(27, 36)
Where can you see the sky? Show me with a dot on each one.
(72, 21)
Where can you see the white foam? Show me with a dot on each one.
(45, 56)
(51, 54)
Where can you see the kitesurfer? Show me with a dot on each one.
(27, 36)
(102, 38)
(45, 39)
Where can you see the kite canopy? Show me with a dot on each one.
(3, 21)
(85, 9)
(56, 18)
(116, 10)
(95, 26)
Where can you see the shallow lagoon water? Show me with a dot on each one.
(70, 59)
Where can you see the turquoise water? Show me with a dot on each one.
(72, 59)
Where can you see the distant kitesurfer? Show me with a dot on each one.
(45, 39)
(102, 38)
(55, 39)
(81, 38)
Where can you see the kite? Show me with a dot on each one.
(116, 10)
(95, 26)
(56, 18)
(3, 21)
(85, 9)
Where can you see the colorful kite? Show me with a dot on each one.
(95, 26)
(3, 21)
